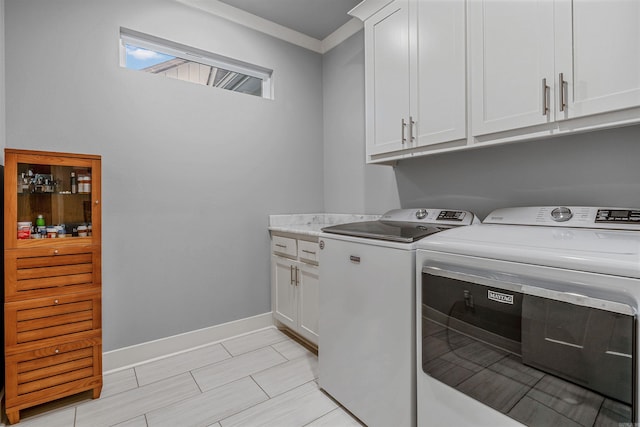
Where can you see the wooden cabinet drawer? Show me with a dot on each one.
(284, 246)
(50, 317)
(38, 272)
(308, 251)
(53, 369)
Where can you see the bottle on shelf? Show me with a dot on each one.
(41, 227)
(74, 183)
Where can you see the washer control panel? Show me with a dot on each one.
(430, 216)
(618, 215)
(568, 216)
(451, 216)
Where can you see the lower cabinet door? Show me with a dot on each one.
(51, 372)
(29, 322)
(308, 301)
(283, 272)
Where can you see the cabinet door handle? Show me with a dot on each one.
(291, 274)
(404, 125)
(561, 84)
(411, 123)
(354, 259)
(297, 276)
(545, 93)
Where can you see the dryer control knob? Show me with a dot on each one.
(561, 214)
(421, 213)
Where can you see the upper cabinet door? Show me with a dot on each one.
(439, 71)
(387, 78)
(598, 54)
(512, 69)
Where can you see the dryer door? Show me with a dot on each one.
(532, 349)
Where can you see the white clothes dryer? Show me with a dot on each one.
(530, 318)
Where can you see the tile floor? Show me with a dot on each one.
(261, 379)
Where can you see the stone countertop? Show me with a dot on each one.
(312, 224)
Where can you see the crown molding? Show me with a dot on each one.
(265, 26)
(341, 34)
(367, 8)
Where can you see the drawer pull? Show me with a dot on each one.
(55, 301)
(308, 252)
(57, 351)
(281, 246)
(354, 259)
(56, 252)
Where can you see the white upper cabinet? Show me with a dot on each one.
(535, 62)
(387, 78)
(511, 46)
(415, 76)
(439, 71)
(598, 52)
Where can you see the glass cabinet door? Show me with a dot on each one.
(51, 196)
(53, 201)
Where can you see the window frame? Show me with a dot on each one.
(156, 44)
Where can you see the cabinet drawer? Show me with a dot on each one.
(38, 272)
(54, 367)
(50, 317)
(308, 251)
(284, 246)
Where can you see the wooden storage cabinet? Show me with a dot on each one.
(53, 285)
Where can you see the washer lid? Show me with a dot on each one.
(403, 232)
(599, 251)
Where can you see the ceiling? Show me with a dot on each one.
(315, 18)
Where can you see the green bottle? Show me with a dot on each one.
(40, 221)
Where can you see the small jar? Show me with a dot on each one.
(24, 230)
(52, 233)
(40, 221)
(82, 231)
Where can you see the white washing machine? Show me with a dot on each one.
(530, 318)
(366, 350)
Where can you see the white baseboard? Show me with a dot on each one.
(127, 357)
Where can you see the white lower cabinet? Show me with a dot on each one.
(295, 286)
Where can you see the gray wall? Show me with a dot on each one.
(350, 185)
(190, 173)
(596, 168)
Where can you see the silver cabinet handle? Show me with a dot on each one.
(411, 123)
(297, 276)
(278, 245)
(545, 93)
(354, 259)
(291, 274)
(308, 252)
(404, 125)
(561, 84)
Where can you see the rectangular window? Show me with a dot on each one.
(157, 56)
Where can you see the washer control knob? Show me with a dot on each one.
(421, 213)
(561, 214)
